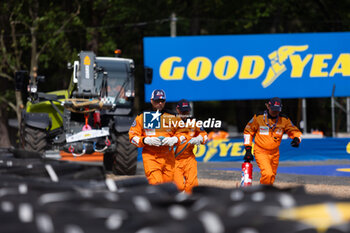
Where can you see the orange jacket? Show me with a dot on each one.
(185, 134)
(137, 132)
(217, 135)
(269, 137)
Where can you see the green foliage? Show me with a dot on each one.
(105, 25)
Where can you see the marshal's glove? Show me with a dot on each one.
(152, 141)
(196, 140)
(248, 154)
(295, 142)
(169, 141)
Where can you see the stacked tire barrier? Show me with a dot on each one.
(45, 196)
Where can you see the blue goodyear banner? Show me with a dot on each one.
(235, 67)
(309, 150)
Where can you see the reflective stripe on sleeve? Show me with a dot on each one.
(135, 140)
(246, 139)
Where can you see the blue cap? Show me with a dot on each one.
(275, 104)
(158, 94)
(183, 105)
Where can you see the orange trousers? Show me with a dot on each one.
(267, 161)
(185, 174)
(158, 166)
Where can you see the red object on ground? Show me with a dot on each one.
(247, 174)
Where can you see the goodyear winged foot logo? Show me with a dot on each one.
(277, 59)
(254, 67)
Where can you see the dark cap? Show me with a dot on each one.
(158, 94)
(183, 105)
(275, 104)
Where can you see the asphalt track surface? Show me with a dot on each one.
(330, 172)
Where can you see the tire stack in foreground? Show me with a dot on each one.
(47, 196)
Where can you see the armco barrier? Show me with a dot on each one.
(309, 150)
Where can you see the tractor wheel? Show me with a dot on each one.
(34, 139)
(125, 157)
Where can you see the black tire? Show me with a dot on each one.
(34, 139)
(125, 157)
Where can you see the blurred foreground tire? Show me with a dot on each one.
(26, 154)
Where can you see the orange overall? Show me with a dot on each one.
(218, 135)
(185, 176)
(268, 135)
(159, 161)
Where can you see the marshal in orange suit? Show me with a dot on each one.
(185, 174)
(157, 154)
(268, 128)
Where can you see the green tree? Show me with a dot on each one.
(29, 30)
(46, 34)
